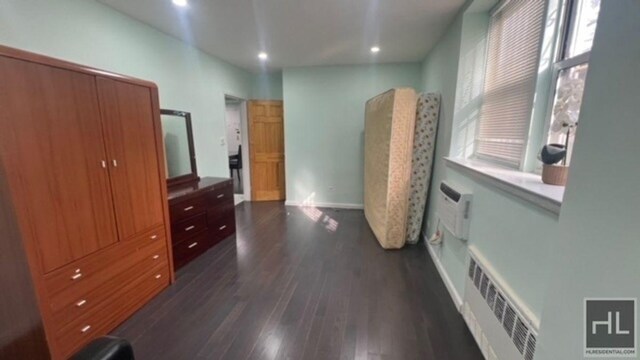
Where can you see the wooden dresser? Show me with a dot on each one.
(202, 215)
(84, 170)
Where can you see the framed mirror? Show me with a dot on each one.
(178, 144)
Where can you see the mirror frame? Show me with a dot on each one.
(193, 176)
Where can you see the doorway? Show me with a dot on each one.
(237, 147)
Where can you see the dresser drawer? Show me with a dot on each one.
(72, 304)
(187, 250)
(220, 210)
(84, 274)
(186, 229)
(113, 311)
(221, 194)
(188, 208)
(222, 228)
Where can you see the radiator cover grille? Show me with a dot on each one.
(507, 314)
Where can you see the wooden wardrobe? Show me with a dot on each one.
(83, 164)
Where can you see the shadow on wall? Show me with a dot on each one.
(469, 89)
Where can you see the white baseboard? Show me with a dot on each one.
(326, 205)
(455, 296)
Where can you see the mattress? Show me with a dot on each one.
(426, 127)
(388, 148)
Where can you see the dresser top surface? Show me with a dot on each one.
(204, 183)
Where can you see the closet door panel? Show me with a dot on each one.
(51, 142)
(133, 161)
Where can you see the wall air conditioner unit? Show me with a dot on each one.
(453, 210)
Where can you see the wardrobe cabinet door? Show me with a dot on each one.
(133, 160)
(51, 143)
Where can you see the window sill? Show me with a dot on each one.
(526, 186)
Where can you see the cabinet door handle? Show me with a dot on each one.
(222, 227)
(220, 196)
(85, 329)
(81, 303)
(76, 276)
(193, 245)
(156, 257)
(189, 228)
(158, 276)
(104, 164)
(188, 208)
(153, 237)
(115, 163)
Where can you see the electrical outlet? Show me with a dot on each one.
(223, 141)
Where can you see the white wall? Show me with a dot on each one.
(234, 133)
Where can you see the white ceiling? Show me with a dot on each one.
(301, 32)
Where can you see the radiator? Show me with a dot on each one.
(496, 319)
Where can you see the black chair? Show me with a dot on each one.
(235, 163)
(106, 348)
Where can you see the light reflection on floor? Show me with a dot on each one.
(316, 215)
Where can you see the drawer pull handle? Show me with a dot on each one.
(222, 227)
(76, 276)
(85, 329)
(193, 245)
(189, 228)
(188, 208)
(158, 276)
(156, 257)
(81, 303)
(220, 196)
(153, 237)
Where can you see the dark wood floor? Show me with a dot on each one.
(302, 284)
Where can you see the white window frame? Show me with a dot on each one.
(566, 17)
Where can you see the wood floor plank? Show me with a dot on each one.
(302, 283)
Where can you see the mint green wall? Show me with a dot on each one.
(439, 74)
(267, 86)
(324, 126)
(515, 236)
(597, 248)
(90, 33)
(470, 82)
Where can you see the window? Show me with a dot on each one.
(515, 33)
(580, 27)
(570, 71)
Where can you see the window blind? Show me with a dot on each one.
(512, 64)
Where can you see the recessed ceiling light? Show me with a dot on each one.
(375, 49)
(182, 3)
(263, 56)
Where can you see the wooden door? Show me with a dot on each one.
(133, 161)
(51, 143)
(266, 146)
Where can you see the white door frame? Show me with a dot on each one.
(244, 135)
